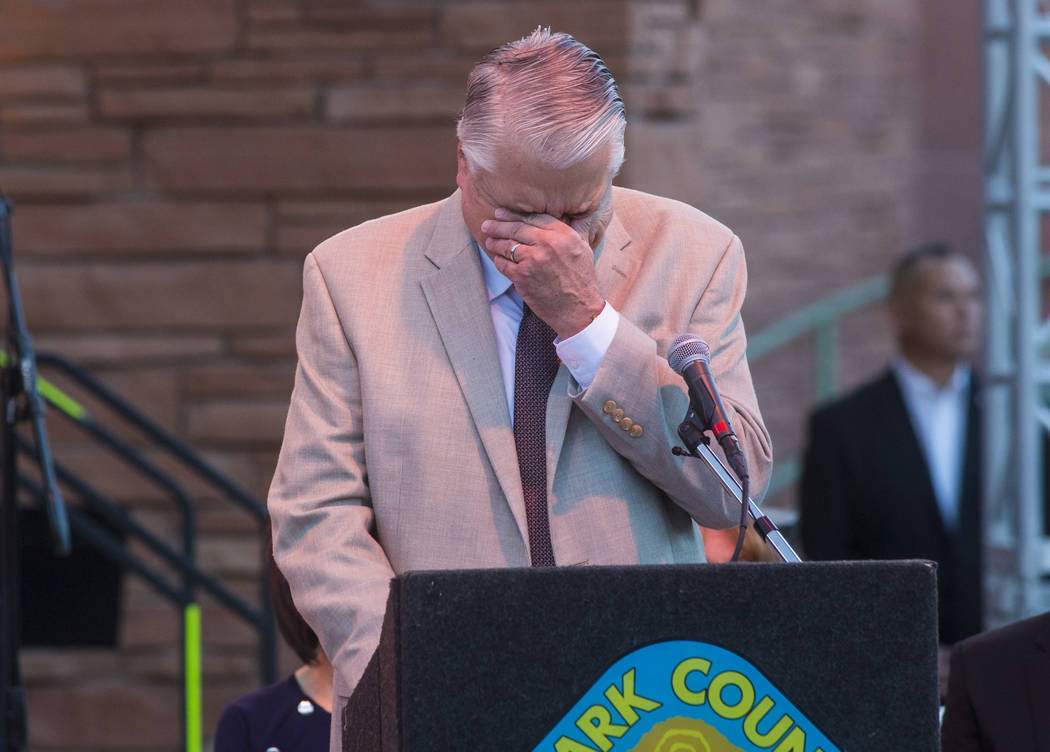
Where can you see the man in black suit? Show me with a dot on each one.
(892, 470)
(999, 690)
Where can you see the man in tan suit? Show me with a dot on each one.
(399, 451)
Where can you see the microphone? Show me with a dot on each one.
(690, 357)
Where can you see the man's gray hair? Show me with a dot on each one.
(547, 93)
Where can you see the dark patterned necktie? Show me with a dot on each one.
(535, 364)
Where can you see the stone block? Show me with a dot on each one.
(146, 229)
(139, 72)
(334, 68)
(92, 350)
(246, 422)
(484, 26)
(324, 39)
(665, 158)
(105, 716)
(45, 113)
(661, 101)
(372, 16)
(229, 556)
(132, 295)
(232, 380)
(48, 81)
(667, 43)
(301, 226)
(241, 467)
(299, 239)
(43, 666)
(227, 520)
(347, 212)
(164, 665)
(66, 145)
(167, 665)
(212, 102)
(266, 346)
(943, 182)
(63, 182)
(437, 65)
(433, 101)
(274, 10)
(35, 28)
(301, 160)
(160, 626)
(115, 479)
(153, 505)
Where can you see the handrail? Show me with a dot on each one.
(119, 517)
(148, 427)
(818, 314)
(111, 547)
(820, 319)
(184, 561)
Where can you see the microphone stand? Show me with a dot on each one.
(21, 401)
(691, 431)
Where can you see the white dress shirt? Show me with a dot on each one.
(581, 353)
(939, 417)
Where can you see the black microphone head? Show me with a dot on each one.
(686, 349)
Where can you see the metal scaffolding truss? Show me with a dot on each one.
(1016, 205)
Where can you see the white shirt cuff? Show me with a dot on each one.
(582, 353)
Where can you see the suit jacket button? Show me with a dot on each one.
(635, 432)
(608, 407)
(626, 424)
(617, 415)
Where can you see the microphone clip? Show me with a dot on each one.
(691, 431)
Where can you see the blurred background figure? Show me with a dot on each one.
(892, 470)
(999, 690)
(294, 715)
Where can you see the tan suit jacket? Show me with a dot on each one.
(398, 450)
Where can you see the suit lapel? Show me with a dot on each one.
(1037, 671)
(455, 294)
(616, 264)
(910, 461)
(614, 267)
(970, 486)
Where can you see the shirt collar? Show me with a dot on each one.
(496, 283)
(918, 382)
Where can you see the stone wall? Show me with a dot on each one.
(172, 163)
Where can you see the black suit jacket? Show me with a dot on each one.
(999, 691)
(866, 493)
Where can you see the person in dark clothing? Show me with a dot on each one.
(293, 715)
(999, 690)
(892, 470)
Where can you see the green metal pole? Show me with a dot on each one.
(192, 658)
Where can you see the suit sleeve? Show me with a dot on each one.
(959, 732)
(636, 376)
(825, 502)
(324, 531)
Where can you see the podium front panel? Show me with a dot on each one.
(495, 659)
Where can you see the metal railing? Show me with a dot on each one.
(820, 320)
(189, 578)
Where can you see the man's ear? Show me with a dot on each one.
(462, 170)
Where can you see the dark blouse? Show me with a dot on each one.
(278, 718)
